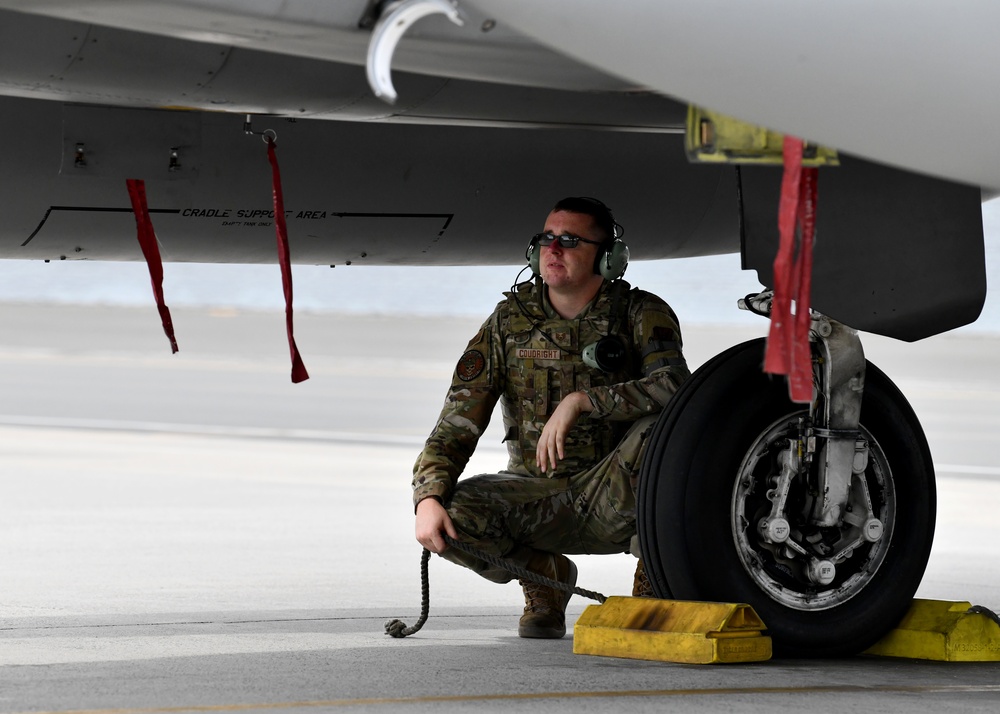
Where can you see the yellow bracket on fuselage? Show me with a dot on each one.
(716, 138)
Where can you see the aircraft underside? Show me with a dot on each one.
(897, 253)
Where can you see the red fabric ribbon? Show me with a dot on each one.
(151, 252)
(788, 341)
(299, 373)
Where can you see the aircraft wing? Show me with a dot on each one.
(903, 83)
(897, 82)
(340, 32)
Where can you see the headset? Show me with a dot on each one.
(612, 259)
(609, 353)
(612, 256)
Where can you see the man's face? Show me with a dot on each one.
(570, 267)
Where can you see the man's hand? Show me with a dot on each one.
(552, 443)
(432, 521)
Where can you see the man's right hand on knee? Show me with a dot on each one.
(432, 522)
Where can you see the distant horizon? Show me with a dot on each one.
(699, 289)
(702, 290)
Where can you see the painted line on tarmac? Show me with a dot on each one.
(471, 698)
(245, 432)
(236, 432)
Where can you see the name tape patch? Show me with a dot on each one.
(527, 353)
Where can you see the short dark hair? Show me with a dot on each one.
(588, 206)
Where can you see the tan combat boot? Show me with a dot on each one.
(641, 587)
(544, 607)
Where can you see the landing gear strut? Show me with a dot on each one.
(821, 518)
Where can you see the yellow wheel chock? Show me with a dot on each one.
(672, 631)
(943, 631)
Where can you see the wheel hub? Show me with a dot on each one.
(795, 557)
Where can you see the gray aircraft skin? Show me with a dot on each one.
(494, 119)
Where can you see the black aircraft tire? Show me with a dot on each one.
(688, 497)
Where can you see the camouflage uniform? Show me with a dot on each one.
(529, 358)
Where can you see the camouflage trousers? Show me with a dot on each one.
(514, 516)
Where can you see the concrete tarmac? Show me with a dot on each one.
(193, 532)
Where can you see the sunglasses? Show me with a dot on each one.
(566, 241)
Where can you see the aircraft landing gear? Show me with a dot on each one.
(822, 519)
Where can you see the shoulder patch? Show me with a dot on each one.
(471, 365)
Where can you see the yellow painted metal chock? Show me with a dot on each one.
(944, 631)
(672, 631)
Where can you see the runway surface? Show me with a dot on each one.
(193, 532)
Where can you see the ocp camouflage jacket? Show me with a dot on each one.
(528, 358)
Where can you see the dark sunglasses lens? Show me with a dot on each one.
(547, 239)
